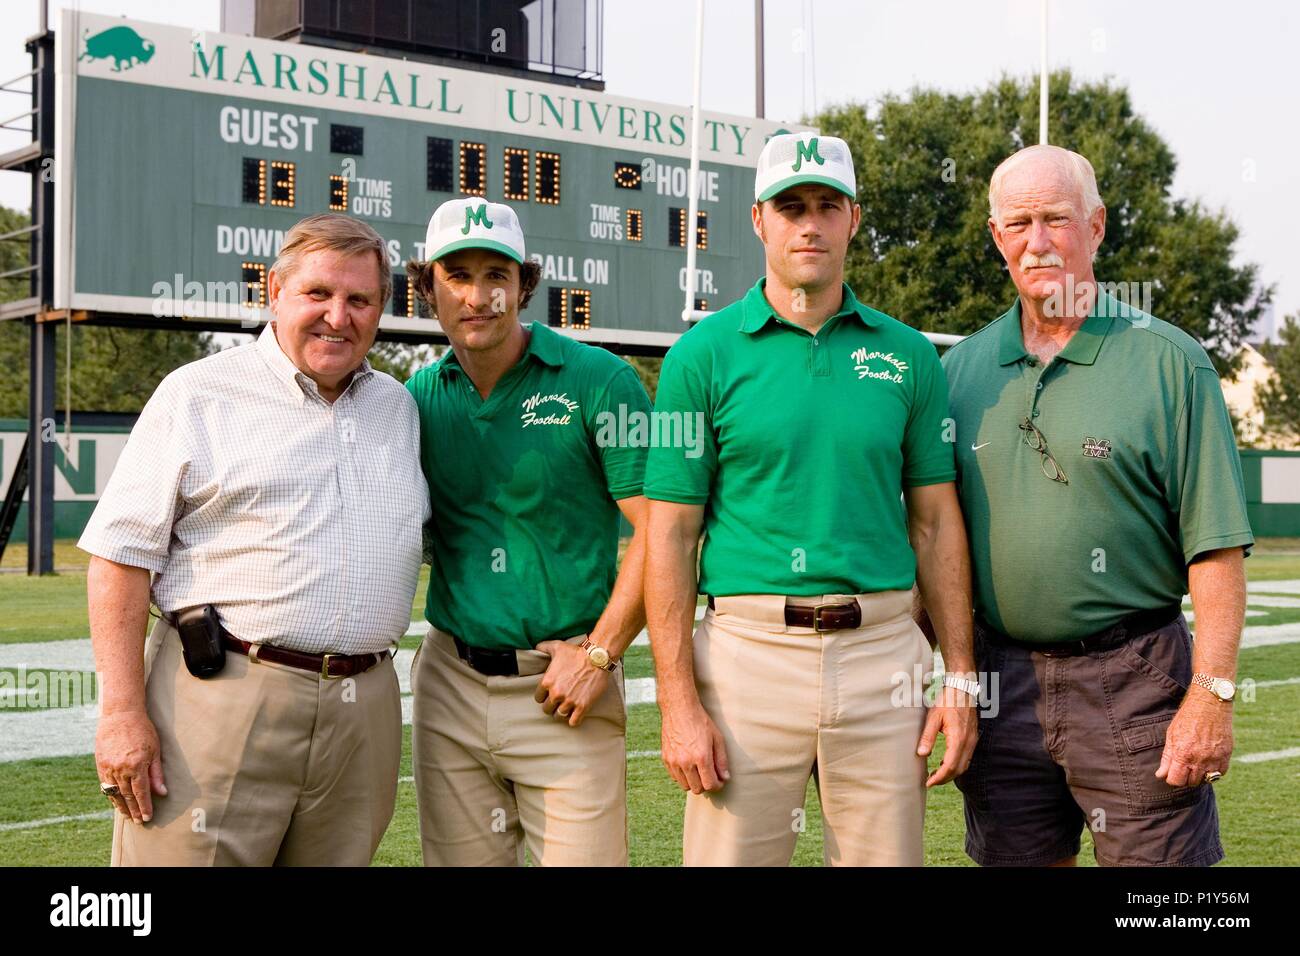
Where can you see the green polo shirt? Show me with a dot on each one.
(1132, 411)
(523, 486)
(808, 443)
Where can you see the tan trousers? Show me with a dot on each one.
(266, 764)
(791, 703)
(493, 772)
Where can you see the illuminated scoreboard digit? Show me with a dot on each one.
(627, 176)
(515, 184)
(221, 143)
(338, 193)
(548, 178)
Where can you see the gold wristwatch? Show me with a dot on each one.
(598, 656)
(1220, 687)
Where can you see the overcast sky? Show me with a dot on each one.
(1219, 81)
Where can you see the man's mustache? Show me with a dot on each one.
(1031, 261)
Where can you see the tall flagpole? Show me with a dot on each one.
(1042, 79)
(694, 209)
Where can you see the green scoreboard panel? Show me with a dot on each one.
(183, 158)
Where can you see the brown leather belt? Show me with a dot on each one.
(821, 617)
(328, 666)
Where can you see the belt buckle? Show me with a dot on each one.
(817, 618)
(325, 666)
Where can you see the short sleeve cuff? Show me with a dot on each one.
(630, 490)
(676, 497)
(124, 554)
(930, 478)
(1236, 539)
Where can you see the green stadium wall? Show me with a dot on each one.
(1272, 480)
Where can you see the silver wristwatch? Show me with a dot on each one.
(971, 687)
(1220, 687)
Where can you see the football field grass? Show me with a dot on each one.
(52, 814)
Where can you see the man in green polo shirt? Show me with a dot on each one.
(1099, 477)
(825, 490)
(518, 720)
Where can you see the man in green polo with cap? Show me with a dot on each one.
(1100, 480)
(825, 490)
(518, 718)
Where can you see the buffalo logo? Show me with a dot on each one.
(1096, 448)
(120, 44)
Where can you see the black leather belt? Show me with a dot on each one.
(490, 663)
(1141, 622)
(821, 617)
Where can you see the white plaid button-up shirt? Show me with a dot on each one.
(300, 520)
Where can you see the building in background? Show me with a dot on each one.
(1240, 395)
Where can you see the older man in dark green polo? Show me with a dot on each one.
(1100, 481)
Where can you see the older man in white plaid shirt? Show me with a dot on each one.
(280, 483)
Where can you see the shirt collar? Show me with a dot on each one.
(298, 382)
(544, 344)
(756, 311)
(1083, 346)
(1012, 347)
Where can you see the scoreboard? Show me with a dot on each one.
(182, 158)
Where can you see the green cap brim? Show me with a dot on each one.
(475, 243)
(798, 179)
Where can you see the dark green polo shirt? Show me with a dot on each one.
(523, 487)
(1132, 411)
(807, 444)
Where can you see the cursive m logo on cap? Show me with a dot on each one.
(478, 215)
(807, 150)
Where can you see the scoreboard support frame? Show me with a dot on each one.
(35, 159)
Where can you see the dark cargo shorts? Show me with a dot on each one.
(1075, 741)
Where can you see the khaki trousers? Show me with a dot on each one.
(494, 773)
(791, 703)
(266, 764)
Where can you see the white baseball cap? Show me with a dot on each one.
(474, 223)
(793, 158)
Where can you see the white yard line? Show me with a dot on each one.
(74, 655)
(639, 690)
(1268, 635)
(1277, 683)
(1274, 587)
(1272, 600)
(59, 732)
(1268, 755)
(1187, 611)
(55, 821)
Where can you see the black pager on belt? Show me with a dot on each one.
(200, 631)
